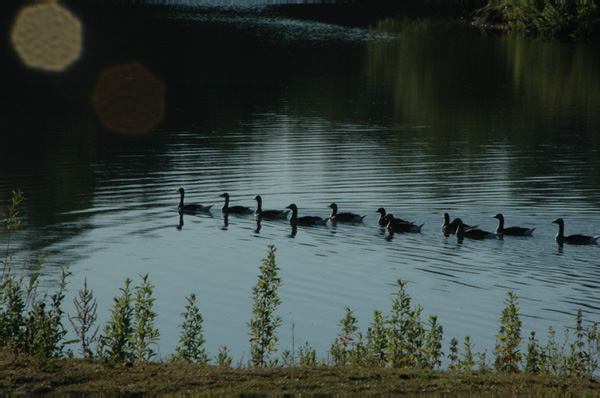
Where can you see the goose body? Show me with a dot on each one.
(304, 220)
(343, 217)
(233, 209)
(259, 212)
(574, 239)
(471, 233)
(511, 231)
(398, 225)
(190, 207)
(449, 228)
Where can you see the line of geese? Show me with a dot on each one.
(394, 225)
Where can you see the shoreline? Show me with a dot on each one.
(19, 376)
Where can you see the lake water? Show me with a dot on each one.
(420, 118)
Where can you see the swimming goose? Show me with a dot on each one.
(574, 239)
(233, 209)
(383, 220)
(190, 207)
(511, 231)
(398, 225)
(304, 220)
(343, 217)
(471, 233)
(449, 228)
(259, 212)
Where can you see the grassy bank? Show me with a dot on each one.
(22, 376)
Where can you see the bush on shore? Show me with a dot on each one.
(562, 21)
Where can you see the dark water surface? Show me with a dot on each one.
(421, 118)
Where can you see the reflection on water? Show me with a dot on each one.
(418, 120)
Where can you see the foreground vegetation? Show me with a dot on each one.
(399, 353)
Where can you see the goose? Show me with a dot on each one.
(343, 217)
(472, 232)
(574, 239)
(190, 207)
(383, 220)
(398, 225)
(304, 220)
(233, 209)
(449, 228)
(511, 231)
(259, 212)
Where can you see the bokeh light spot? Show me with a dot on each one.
(129, 99)
(46, 36)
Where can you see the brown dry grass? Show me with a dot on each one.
(78, 376)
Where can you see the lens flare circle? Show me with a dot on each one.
(129, 99)
(46, 36)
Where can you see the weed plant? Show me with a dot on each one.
(508, 353)
(223, 359)
(30, 324)
(264, 322)
(83, 322)
(11, 225)
(116, 344)
(347, 349)
(145, 334)
(130, 333)
(191, 343)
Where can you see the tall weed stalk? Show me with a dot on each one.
(145, 333)
(83, 322)
(264, 322)
(407, 334)
(347, 348)
(508, 343)
(12, 222)
(191, 341)
(130, 332)
(116, 344)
